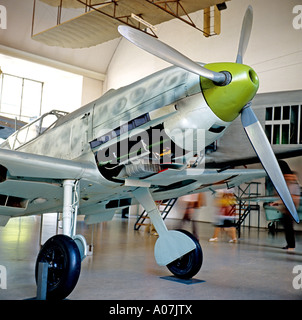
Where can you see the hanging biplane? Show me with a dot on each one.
(132, 146)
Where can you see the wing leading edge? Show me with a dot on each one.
(36, 166)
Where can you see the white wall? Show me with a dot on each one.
(92, 89)
(275, 48)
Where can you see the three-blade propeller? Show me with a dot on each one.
(250, 123)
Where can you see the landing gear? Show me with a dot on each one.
(188, 265)
(179, 250)
(64, 265)
(64, 252)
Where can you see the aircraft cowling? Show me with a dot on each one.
(194, 126)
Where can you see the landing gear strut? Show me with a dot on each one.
(64, 252)
(179, 250)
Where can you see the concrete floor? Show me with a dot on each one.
(123, 265)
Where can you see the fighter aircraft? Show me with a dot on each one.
(134, 145)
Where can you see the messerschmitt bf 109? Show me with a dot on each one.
(132, 146)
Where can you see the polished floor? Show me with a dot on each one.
(123, 267)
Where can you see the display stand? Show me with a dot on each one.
(42, 281)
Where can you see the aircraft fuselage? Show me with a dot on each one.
(171, 99)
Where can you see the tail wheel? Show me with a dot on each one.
(64, 265)
(188, 265)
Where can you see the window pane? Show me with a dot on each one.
(47, 121)
(21, 137)
(277, 113)
(269, 114)
(276, 134)
(285, 134)
(268, 131)
(20, 97)
(286, 112)
(294, 125)
(300, 124)
(33, 130)
(11, 95)
(32, 92)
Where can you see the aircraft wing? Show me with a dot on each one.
(174, 183)
(31, 184)
(167, 184)
(206, 176)
(24, 164)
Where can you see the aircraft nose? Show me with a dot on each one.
(254, 77)
(227, 101)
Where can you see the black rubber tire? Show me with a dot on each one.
(64, 266)
(188, 265)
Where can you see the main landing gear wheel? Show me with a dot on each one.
(188, 265)
(64, 266)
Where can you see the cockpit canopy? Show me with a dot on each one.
(34, 129)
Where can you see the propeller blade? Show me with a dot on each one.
(245, 34)
(167, 53)
(267, 157)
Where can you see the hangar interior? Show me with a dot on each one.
(53, 56)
